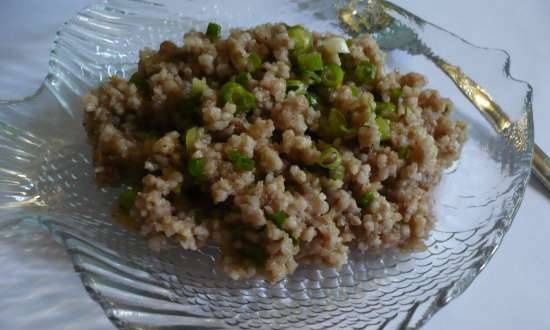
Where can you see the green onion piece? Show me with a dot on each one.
(330, 158)
(365, 199)
(141, 84)
(243, 78)
(396, 94)
(336, 125)
(333, 76)
(126, 199)
(235, 93)
(247, 102)
(335, 45)
(303, 40)
(198, 86)
(295, 85)
(354, 90)
(312, 100)
(310, 77)
(195, 167)
(336, 120)
(191, 137)
(310, 62)
(349, 132)
(278, 218)
(214, 31)
(403, 152)
(384, 128)
(255, 60)
(371, 106)
(295, 241)
(241, 161)
(385, 109)
(365, 73)
(337, 173)
(229, 91)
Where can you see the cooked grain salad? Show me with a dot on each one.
(279, 144)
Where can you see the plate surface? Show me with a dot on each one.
(48, 175)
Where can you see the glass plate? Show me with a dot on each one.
(46, 174)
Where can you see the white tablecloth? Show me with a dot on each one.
(512, 293)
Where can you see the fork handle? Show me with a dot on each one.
(541, 166)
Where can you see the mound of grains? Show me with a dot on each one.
(281, 145)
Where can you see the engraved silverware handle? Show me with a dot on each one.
(541, 166)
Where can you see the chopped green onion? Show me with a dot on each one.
(243, 78)
(403, 153)
(126, 199)
(336, 120)
(255, 61)
(337, 173)
(295, 85)
(195, 167)
(310, 62)
(193, 101)
(371, 106)
(312, 100)
(348, 132)
(336, 125)
(214, 31)
(198, 86)
(330, 158)
(310, 77)
(248, 102)
(241, 161)
(278, 218)
(354, 90)
(365, 73)
(232, 92)
(303, 39)
(385, 109)
(333, 76)
(228, 90)
(395, 94)
(384, 128)
(365, 199)
(335, 45)
(295, 241)
(141, 84)
(191, 137)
